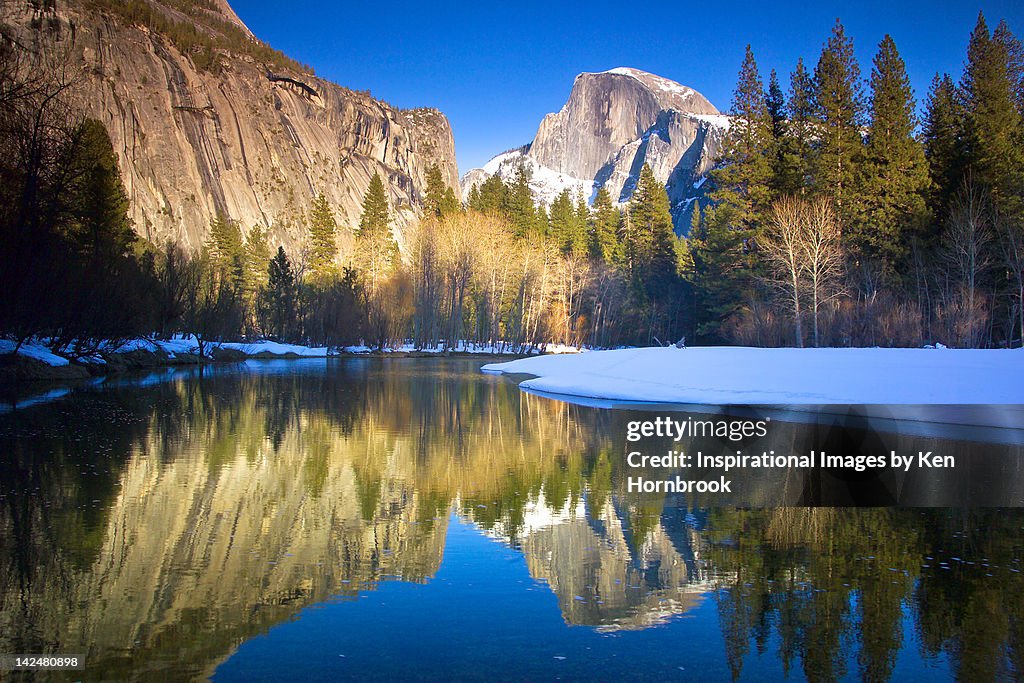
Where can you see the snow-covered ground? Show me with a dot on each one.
(273, 348)
(34, 350)
(499, 349)
(755, 376)
(188, 345)
(172, 347)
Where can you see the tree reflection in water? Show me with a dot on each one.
(157, 525)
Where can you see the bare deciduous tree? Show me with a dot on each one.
(802, 249)
(822, 257)
(176, 276)
(782, 250)
(966, 251)
(1011, 242)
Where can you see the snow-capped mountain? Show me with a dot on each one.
(613, 123)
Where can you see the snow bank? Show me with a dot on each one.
(177, 344)
(500, 349)
(34, 350)
(276, 349)
(754, 376)
(187, 344)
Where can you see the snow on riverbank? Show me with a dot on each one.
(170, 348)
(186, 348)
(500, 349)
(755, 376)
(271, 348)
(34, 351)
(189, 344)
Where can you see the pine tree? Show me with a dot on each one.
(696, 219)
(994, 123)
(839, 105)
(581, 241)
(943, 135)
(650, 247)
(491, 196)
(743, 176)
(566, 229)
(684, 260)
(278, 299)
(473, 200)
(725, 251)
(541, 224)
(1007, 172)
(801, 106)
(323, 232)
(721, 270)
(653, 237)
(451, 203)
(518, 201)
(93, 281)
(227, 249)
(101, 231)
(376, 245)
(775, 101)
(376, 217)
(604, 222)
(796, 158)
(1014, 61)
(893, 178)
(439, 199)
(257, 257)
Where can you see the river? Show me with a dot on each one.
(414, 519)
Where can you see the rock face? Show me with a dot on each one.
(606, 112)
(238, 137)
(613, 123)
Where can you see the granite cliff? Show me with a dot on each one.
(203, 125)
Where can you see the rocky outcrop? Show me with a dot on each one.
(606, 112)
(613, 123)
(239, 137)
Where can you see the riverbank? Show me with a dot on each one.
(35, 362)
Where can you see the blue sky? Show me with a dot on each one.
(495, 68)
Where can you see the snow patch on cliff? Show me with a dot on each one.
(723, 121)
(653, 81)
(545, 183)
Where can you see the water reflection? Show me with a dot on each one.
(158, 525)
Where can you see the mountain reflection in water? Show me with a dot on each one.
(157, 526)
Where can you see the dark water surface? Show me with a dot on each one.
(417, 520)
